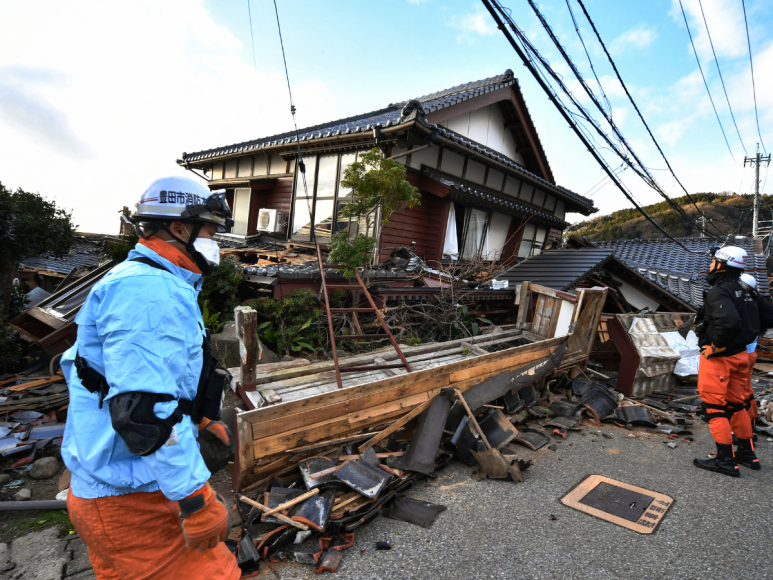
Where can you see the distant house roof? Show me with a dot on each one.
(683, 273)
(87, 252)
(390, 116)
(565, 269)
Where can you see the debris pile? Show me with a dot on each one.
(309, 512)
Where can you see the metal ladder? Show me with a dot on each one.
(330, 311)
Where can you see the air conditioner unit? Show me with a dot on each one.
(272, 220)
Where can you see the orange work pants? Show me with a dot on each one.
(723, 380)
(749, 391)
(139, 536)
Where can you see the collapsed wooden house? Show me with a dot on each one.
(315, 416)
(472, 151)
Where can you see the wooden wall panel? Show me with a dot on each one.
(510, 250)
(280, 197)
(425, 225)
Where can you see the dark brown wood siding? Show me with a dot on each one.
(276, 194)
(514, 235)
(424, 225)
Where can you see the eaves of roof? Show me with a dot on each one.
(500, 201)
(469, 144)
(391, 116)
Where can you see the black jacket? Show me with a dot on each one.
(733, 315)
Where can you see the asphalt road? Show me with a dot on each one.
(718, 527)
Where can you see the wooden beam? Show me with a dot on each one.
(280, 517)
(395, 426)
(292, 502)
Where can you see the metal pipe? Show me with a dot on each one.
(31, 506)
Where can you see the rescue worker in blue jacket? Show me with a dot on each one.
(141, 380)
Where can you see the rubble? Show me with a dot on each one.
(44, 468)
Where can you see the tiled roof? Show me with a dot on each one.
(558, 269)
(461, 190)
(683, 273)
(389, 116)
(87, 252)
(564, 269)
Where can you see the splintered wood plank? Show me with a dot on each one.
(518, 354)
(337, 425)
(647, 521)
(57, 378)
(280, 424)
(395, 426)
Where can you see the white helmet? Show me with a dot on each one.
(732, 256)
(180, 198)
(749, 280)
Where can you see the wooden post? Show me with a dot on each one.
(246, 330)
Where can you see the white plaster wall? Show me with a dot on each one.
(487, 127)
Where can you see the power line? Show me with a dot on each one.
(716, 60)
(751, 66)
(700, 68)
(495, 9)
(590, 62)
(638, 112)
(644, 173)
(252, 36)
(301, 165)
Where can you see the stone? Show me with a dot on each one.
(44, 468)
(4, 478)
(22, 495)
(80, 557)
(39, 555)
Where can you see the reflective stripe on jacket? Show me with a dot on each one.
(142, 329)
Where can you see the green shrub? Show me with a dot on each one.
(220, 291)
(291, 324)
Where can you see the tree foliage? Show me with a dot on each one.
(32, 226)
(119, 251)
(377, 182)
(351, 254)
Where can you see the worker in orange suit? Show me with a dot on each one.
(730, 321)
(749, 283)
(143, 387)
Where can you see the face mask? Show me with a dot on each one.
(208, 248)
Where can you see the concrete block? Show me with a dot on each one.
(39, 555)
(80, 558)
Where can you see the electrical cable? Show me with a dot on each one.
(716, 61)
(300, 165)
(644, 173)
(590, 62)
(751, 66)
(700, 68)
(638, 112)
(252, 36)
(495, 9)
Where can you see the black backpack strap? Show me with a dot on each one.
(149, 262)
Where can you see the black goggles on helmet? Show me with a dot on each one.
(216, 204)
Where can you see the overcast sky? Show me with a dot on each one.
(98, 99)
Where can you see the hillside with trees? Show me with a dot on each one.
(730, 212)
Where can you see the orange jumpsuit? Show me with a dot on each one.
(724, 381)
(138, 536)
(749, 392)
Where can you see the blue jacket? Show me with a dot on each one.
(141, 328)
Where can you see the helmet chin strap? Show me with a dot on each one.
(198, 258)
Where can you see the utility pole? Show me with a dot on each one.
(703, 224)
(756, 160)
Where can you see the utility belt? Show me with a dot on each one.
(132, 413)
